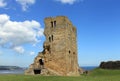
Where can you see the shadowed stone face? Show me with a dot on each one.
(59, 56)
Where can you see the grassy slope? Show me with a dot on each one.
(95, 75)
(105, 75)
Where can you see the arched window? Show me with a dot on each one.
(51, 24)
(49, 39)
(69, 51)
(73, 52)
(52, 37)
(54, 23)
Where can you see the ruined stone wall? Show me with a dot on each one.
(110, 65)
(60, 49)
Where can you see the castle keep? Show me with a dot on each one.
(59, 56)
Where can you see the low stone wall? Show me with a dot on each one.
(110, 65)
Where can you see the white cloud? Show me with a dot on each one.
(32, 53)
(2, 3)
(25, 3)
(13, 33)
(67, 1)
(19, 49)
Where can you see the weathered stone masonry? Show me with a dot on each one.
(59, 56)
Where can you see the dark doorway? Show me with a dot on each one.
(37, 71)
(41, 62)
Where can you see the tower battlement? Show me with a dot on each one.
(51, 21)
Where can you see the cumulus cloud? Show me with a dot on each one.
(19, 49)
(2, 3)
(32, 53)
(67, 1)
(25, 3)
(14, 34)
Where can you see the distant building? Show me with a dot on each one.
(59, 56)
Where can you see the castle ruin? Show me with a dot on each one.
(59, 56)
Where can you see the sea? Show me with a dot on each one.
(12, 71)
(88, 68)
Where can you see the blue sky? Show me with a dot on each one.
(22, 25)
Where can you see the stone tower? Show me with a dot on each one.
(59, 56)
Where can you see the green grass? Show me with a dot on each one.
(104, 72)
(95, 75)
